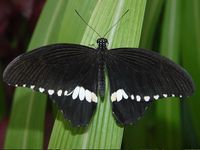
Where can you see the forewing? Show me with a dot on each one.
(139, 76)
(58, 70)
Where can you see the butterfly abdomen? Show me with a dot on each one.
(101, 81)
(101, 77)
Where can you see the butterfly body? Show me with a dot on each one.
(102, 48)
(73, 75)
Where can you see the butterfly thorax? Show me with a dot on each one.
(102, 46)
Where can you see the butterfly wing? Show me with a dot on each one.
(62, 71)
(138, 77)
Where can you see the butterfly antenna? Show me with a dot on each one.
(116, 23)
(87, 23)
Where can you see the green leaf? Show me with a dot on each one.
(103, 132)
(190, 56)
(168, 111)
(26, 124)
(151, 22)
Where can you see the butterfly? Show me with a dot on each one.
(73, 75)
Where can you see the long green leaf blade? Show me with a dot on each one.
(103, 132)
(191, 61)
(168, 111)
(151, 21)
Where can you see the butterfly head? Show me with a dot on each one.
(102, 43)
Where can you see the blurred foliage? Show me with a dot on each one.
(168, 112)
(190, 46)
(17, 20)
(170, 27)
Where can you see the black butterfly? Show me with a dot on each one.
(73, 75)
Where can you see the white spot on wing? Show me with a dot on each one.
(50, 92)
(65, 93)
(146, 98)
(156, 97)
(164, 95)
(132, 97)
(119, 94)
(41, 90)
(124, 94)
(24, 85)
(81, 93)
(69, 93)
(138, 98)
(88, 95)
(180, 96)
(114, 97)
(76, 92)
(94, 98)
(173, 95)
(32, 86)
(59, 92)
(16, 85)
